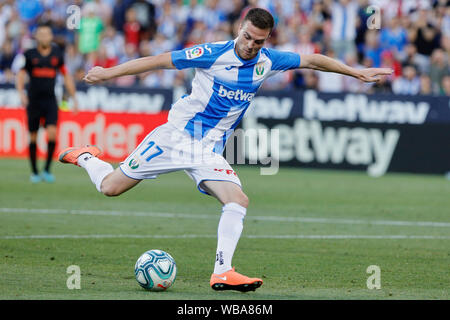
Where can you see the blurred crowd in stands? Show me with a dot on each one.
(410, 36)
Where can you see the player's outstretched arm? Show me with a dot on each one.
(327, 64)
(20, 86)
(136, 66)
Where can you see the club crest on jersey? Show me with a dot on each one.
(134, 163)
(54, 61)
(259, 69)
(194, 53)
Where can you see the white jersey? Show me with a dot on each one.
(222, 89)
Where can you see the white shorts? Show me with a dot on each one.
(168, 149)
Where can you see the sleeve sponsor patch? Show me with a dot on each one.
(194, 53)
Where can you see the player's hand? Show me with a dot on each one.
(24, 99)
(373, 74)
(75, 107)
(96, 75)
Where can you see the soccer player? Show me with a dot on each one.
(228, 74)
(42, 65)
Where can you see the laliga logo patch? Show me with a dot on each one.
(134, 163)
(194, 53)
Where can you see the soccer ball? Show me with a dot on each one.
(155, 270)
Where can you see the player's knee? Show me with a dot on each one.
(110, 190)
(51, 134)
(33, 137)
(242, 200)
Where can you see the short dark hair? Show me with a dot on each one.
(43, 24)
(260, 18)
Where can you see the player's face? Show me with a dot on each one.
(44, 36)
(250, 40)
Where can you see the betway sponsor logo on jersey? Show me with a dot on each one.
(239, 94)
(357, 107)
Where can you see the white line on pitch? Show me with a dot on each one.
(216, 217)
(196, 236)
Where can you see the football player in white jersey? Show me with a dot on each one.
(228, 74)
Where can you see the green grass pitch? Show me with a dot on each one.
(309, 234)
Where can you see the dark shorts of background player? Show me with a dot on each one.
(41, 108)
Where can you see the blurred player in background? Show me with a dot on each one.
(41, 66)
(228, 75)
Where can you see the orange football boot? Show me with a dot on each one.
(70, 155)
(232, 280)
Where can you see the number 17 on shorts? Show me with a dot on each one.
(151, 151)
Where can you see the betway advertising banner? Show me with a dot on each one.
(374, 133)
(350, 107)
(115, 119)
(117, 134)
(375, 148)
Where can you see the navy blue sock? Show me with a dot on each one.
(50, 151)
(33, 150)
